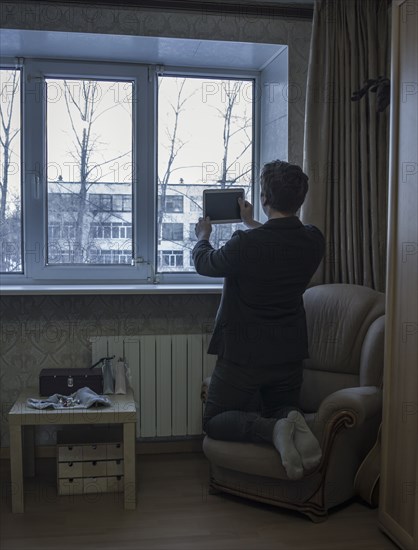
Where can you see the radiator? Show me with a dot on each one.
(167, 373)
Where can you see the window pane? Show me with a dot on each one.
(172, 232)
(10, 172)
(89, 150)
(205, 141)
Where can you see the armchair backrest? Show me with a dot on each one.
(346, 334)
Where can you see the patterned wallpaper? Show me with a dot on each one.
(54, 331)
(49, 331)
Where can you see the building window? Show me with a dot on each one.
(54, 231)
(68, 230)
(110, 230)
(170, 259)
(126, 203)
(106, 256)
(172, 204)
(110, 203)
(172, 232)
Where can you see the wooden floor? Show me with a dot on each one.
(174, 512)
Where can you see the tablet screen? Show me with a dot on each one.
(221, 205)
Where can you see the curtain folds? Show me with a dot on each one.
(346, 142)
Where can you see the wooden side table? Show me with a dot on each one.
(122, 411)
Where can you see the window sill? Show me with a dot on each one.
(15, 290)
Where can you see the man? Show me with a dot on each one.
(260, 334)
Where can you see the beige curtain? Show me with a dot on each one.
(346, 142)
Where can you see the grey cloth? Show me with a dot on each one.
(81, 399)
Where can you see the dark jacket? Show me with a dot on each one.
(261, 318)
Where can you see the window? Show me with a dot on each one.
(109, 230)
(54, 230)
(171, 204)
(110, 203)
(104, 256)
(92, 210)
(170, 259)
(101, 203)
(211, 150)
(172, 232)
(89, 130)
(150, 131)
(69, 230)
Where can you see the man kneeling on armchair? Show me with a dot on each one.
(260, 334)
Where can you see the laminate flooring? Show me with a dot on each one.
(174, 512)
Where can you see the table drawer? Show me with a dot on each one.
(94, 468)
(95, 485)
(114, 450)
(115, 467)
(94, 452)
(70, 469)
(70, 453)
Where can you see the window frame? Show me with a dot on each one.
(35, 156)
(188, 277)
(144, 181)
(12, 64)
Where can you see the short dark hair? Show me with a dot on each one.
(283, 185)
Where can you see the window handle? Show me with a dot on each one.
(36, 186)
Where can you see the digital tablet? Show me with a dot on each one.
(221, 205)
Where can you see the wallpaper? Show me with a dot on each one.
(54, 331)
(39, 332)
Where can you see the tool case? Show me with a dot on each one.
(67, 381)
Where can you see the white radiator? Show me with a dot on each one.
(167, 373)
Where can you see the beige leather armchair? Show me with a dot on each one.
(341, 397)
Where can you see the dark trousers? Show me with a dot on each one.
(228, 415)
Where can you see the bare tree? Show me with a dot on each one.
(236, 124)
(84, 109)
(175, 144)
(10, 210)
(233, 96)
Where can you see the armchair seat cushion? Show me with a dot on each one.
(251, 458)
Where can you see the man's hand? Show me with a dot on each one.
(203, 229)
(246, 211)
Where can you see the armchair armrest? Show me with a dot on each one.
(347, 408)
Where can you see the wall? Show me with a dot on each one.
(48, 331)
(398, 503)
(54, 331)
(198, 25)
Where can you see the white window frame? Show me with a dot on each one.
(13, 65)
(189, 277)
(144, 200)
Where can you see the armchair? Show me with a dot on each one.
(341, 398)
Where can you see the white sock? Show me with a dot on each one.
(305, 442)
(283, 435)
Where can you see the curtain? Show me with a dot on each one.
(346, 142)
